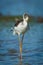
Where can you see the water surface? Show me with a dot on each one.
(32, 45)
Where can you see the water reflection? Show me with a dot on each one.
(32, 46)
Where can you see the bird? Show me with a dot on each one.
(20, 28)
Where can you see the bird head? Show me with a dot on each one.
(26, 17)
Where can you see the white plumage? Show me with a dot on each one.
(22, 26)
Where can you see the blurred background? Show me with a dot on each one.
(32, 47)
(18, 7)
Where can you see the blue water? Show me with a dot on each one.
(32, 53)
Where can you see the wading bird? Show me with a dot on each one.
(20, 27)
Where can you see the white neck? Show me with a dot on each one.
(24, 20)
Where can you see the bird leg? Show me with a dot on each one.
(20, 44)
(22, 38)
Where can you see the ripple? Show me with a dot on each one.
(12, 52)
(1, 42)
(2, 54)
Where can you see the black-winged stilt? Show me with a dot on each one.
(20, 28)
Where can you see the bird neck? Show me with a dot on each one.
(25, 20)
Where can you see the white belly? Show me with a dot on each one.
(21, 28)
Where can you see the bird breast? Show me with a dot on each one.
(22, 25)
(21, 28)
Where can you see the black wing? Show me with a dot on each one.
(18, 21)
